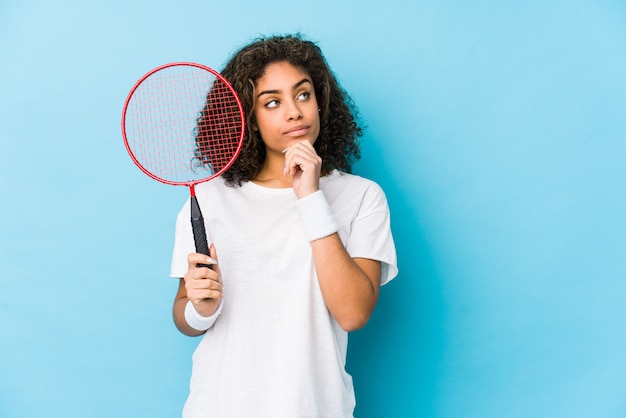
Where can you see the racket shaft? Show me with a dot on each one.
(199, 233)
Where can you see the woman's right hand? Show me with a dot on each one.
(204, 284)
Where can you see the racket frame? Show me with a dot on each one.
(190, 183)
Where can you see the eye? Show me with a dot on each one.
(305, 95)
(272, 104)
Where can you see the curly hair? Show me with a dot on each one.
(340, 128)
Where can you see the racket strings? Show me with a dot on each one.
(183, 124)
(218, 128)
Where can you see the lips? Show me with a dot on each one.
(298, 130)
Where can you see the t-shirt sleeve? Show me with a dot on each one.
(370, 233)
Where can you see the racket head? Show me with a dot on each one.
(183, 124)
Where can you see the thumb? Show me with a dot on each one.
(213, 252)
(213, 255)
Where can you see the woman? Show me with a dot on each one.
(300, 247)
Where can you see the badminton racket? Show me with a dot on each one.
(183, 124)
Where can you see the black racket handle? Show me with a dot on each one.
(199, 233)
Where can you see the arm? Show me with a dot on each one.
(179, 312)
(201, 286)
(349, 286)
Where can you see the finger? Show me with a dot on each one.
(200, 278)
(298, 158)
(203, 288)
(194, 259)
(216, 266)
(205, 295)
(301, 148)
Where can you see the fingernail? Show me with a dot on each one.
(211, 260)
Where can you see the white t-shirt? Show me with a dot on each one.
(275, 351)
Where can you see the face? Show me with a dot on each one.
(286, 107)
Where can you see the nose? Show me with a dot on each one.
(293, 111)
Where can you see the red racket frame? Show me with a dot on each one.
(191, 183)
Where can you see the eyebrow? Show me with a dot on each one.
(295, 86)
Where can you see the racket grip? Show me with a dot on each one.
(199, 233)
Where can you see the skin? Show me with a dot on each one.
(287, 117)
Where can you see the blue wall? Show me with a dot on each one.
(498, 130)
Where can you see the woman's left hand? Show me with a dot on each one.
(304, 166)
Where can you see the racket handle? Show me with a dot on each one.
(199, 233)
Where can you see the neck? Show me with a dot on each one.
(272, 174)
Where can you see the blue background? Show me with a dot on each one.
(497, 129)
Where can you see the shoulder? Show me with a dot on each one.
(208, 186)
(215, 196)
(343, 187)
(338, 181)
(218, 188)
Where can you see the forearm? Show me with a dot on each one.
(179, 317)
(202, 314)
(349, 286)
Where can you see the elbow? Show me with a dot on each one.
(353, 318)
(351, 323)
